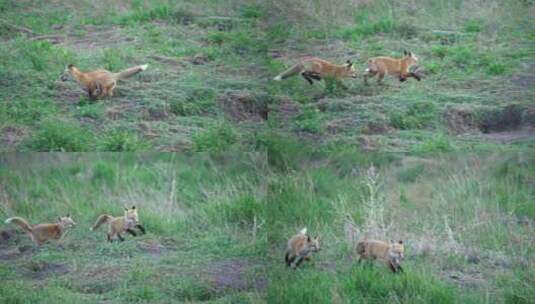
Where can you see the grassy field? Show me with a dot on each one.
(466, 221)
(199, 211)
(445, 164)
(209, 83)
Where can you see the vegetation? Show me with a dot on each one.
(445, 164)
(199, 211)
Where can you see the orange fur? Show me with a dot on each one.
(382, 66)
(313, 68)
(389, 253)
(120, 224)
(300, 247)
(41, 233)
(99, 83)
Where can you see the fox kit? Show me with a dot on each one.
(382, 66)
(41, 233)
(300, 247)
(120, 224)
(389, 253)
(313, 68)
(99, 83)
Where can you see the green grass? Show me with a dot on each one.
(416, 199)
(188, 205)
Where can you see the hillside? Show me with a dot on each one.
(199, 213)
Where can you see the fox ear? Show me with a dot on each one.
(400, 242)
(308, 238)
(59, 218)
(125, 209)
(70, 65)
(133, 207)
(349, 63)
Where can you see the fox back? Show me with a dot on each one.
(385, 251)
(393, 66)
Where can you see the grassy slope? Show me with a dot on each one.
(174, 105)
(466, 220)
(199, 213)
(477, 62)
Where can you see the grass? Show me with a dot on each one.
(445, 163)
(188, 205)
(445, 208)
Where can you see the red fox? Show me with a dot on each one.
(382, 66)
(99, 83)
(41, 233)
(389, 253)
(120, 224)
(300, 247)
(312, 68)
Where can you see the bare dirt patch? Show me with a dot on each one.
(99, 280)
(461, 119)
(287, 110)
(232, 274)
(12, 136)
(244, 106)
(41, 270)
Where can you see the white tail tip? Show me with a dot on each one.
(303, 231)
(144, 67)
(278, 78)
(91, 229)
(8, 220)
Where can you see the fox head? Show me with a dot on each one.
(397, 250)
(313, 244)
(67, 72)
(66, 221)
(130, 215)
(410, 57)
(351, 72)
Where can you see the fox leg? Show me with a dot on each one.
(132, 232)
(141, 228)
(307, 78)
(380, 78)
(299, 261)
(415, 76)
(289, 260)
(369, 73)
(315, 76)
(110, 89)
(120, 237)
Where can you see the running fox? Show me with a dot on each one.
(389, 253)
(41, 233)
(312, 68)
(382, 66)
(120, 224)
(300, 247)
(99, 83)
